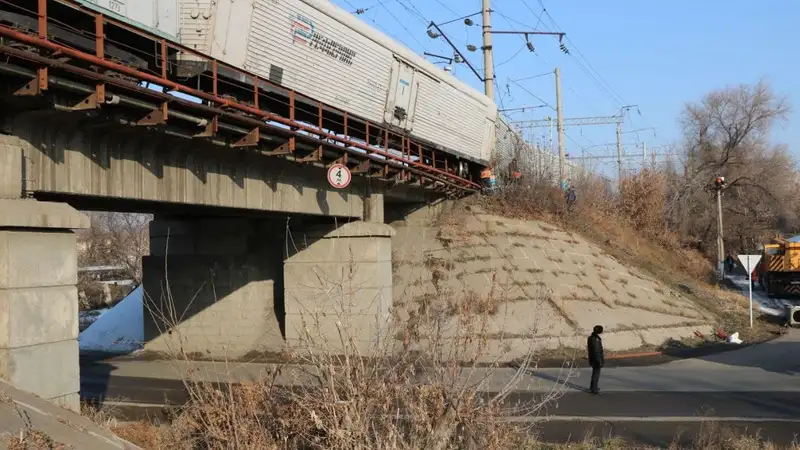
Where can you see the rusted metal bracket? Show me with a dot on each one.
(283, 149)
(90, 102)
(156, 117)
(30, 88)
(398, 178)
(210, 129)
(41, 74)
(251, 139)
(100, 92)
(315, 156)
(364, 167)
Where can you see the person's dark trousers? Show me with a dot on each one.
(595, 379)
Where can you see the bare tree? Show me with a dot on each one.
(116, 239)
(728, 134)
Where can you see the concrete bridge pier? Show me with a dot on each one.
(338, 288)
(38, 298)
(231, 287)
(213, 287)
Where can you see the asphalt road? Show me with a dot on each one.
(651, 418)
(754, 388)
(761, 405)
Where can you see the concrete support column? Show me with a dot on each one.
(213, 287)
(39, 299)
(339, 283)
(12, 169)
(373, 204)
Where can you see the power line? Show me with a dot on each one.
(545, 102)
(522, 47)
(447, 7)
(545, 74)
(594, 78)
(404, 27)
(414, 11)
(580, 54)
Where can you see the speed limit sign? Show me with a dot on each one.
(339, 176)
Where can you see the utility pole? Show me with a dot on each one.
(488, 64)
(644, 155)
(619, 151)
(562, 158)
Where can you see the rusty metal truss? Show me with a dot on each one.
(238, 108)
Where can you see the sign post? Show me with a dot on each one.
(339, 176)
(750, 262)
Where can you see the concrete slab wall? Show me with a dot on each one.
(216, 279)
(11, 168)
(540, 287)
(338, 293)
(131, 163)
(39, 300)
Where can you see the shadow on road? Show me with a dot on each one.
(560, 380)
(778, 356)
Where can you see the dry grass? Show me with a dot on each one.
(31, 439)
(421, 393)
(712, 436)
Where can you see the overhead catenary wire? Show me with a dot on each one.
(404, 27)
(614, 94)
(592, 77)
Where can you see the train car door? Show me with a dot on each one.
(402, 98)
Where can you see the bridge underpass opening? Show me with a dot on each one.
(233, 287)
(231, 283)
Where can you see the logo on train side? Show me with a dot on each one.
(304, 33)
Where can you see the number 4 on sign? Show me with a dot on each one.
(750, 262)
(339, 176)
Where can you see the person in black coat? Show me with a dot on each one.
(597, 360)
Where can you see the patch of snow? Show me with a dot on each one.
(117, 330)
(771, 306)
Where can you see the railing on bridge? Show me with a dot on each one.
(70, 48)
(535, 164)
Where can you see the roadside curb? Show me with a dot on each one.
(635, 355)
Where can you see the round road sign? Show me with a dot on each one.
(339, 176)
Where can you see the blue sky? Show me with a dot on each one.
(656, 54)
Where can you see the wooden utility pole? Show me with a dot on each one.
(488, 64)
(562, 156)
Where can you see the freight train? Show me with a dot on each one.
(312, 47)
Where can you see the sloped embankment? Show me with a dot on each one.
(538, 286)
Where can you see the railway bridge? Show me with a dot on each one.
(251, 246)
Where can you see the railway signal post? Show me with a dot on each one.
(719, 185)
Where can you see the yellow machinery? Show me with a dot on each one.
(779, 269)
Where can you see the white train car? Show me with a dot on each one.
(159, 17)
(320, 50)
